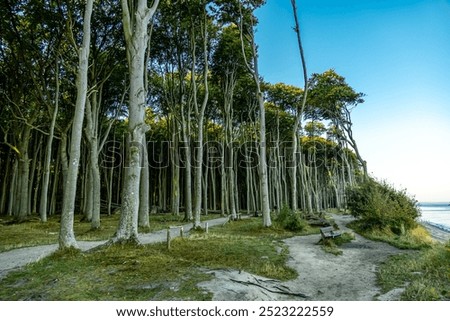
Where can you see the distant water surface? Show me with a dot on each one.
(436, 214)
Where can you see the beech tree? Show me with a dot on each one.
(332, 99)
(136, 18)
(66, 234)
(199, 107)
(299, 110)
(246, 29)
(228, 66)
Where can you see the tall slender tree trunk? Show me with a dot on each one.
(299, 114)
(144, 189)
(200, 115)
(187, 177)
(5, 182)
(24, 174)
(175, 195)
(253, 69)
(43, 207)
(92, 170)
(12, 204)
(55, 185)
(33, 188)
(66, 234)
(136, 18)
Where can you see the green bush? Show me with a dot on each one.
(380, 206)
(290, 220)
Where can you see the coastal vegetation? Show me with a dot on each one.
(379, 206)
(389, 215)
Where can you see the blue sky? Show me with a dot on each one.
(398, 54)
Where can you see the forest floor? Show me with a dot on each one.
(17, 258)
(322, 275)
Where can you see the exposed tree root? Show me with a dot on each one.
(278, 289)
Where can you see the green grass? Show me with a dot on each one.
(424, 274)
(152, 272)
(253, 227)
(33, 232)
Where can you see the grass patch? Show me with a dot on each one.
(33, 232)
(425, 274)
(114, 273)
(254, 227)
(415, 239)
(152, 272)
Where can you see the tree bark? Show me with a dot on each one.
(66, 234)
(253, 69)
(92, 170)
(175, 195)
(43, 207)
(144, 189)
(299, 112)
(136, 18)
(24, 174)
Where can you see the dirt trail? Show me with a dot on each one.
(350, 276)
(322, 276)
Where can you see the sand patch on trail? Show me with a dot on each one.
(322, 276)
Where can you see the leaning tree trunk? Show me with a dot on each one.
(297, 125)
(66, 234)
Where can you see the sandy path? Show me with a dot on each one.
(322, 276)
(350, 276)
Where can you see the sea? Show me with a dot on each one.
(436, 214)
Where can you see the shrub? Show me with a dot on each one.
(380, 206)
(290, 220)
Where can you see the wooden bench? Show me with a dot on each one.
(329, 232)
